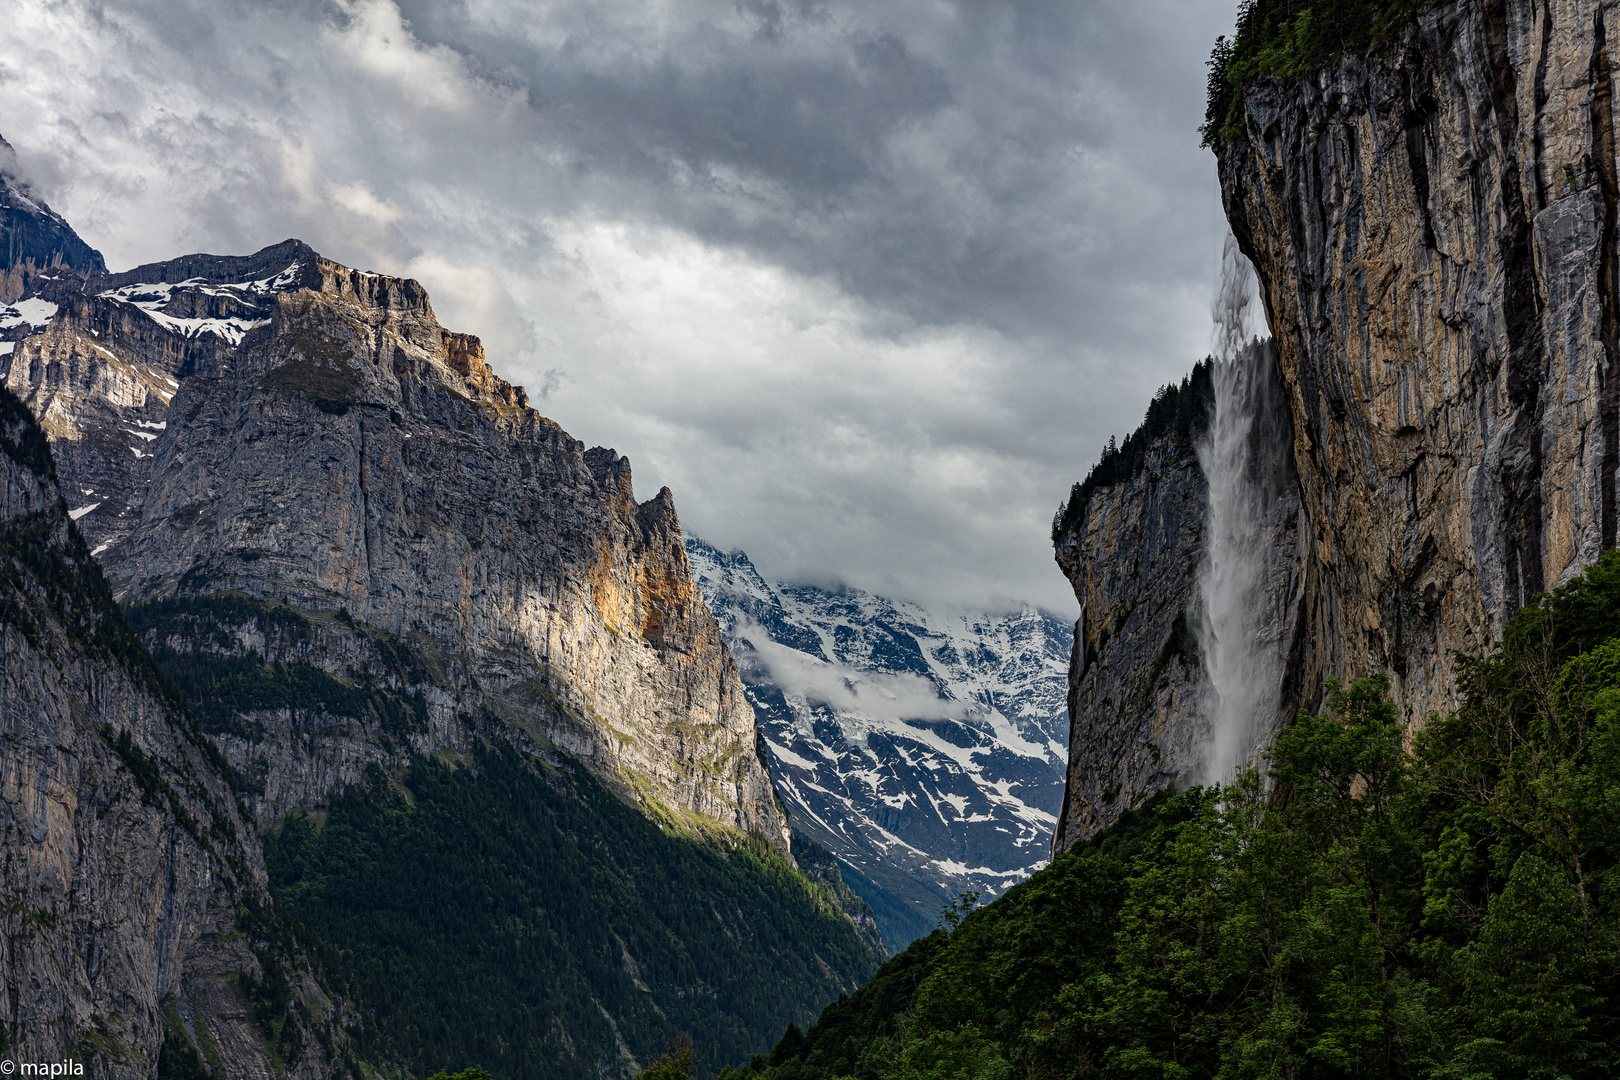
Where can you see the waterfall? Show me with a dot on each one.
(1235, 454)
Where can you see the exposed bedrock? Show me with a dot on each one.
(1434, 232)
(126, 863)
(355, 459)
(1433, 228)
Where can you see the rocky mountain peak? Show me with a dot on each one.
(37, 244)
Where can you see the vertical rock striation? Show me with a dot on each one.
(125, 862)
(1433, 227)
(1434, 230)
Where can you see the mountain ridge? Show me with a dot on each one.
(922, 750)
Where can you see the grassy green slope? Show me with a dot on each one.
(1441, 906)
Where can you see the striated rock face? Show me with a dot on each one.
(1434, 231)
(126, 863)
(353, 457)
(1136, 683)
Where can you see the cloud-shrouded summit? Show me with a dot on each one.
(867, 285)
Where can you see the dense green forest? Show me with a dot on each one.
(1380, 902)
(497, 911)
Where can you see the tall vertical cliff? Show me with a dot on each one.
(1433, 224)
(1134, 540)
(126, 864)
(354, 457)
(1434, 230)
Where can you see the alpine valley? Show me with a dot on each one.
(356, 720)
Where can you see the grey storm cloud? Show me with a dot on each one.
(866, 284)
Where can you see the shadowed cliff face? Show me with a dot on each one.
(353, 457)
(1143, 710)
(126, 863)
(1434, 234)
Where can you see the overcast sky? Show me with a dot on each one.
(866, 284)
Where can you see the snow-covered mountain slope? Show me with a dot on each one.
(98, 357)
(926, 751)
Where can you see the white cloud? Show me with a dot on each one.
(892, 698)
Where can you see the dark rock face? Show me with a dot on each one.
(37, 247)
(101, 372)
(1136, 682)
(126, 863)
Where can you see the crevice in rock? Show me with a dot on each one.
(1521, 309)
(1602, 155)
(1537, 135)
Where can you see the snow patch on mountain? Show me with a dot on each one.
(926, 750)
(33, 312)
(155, 296)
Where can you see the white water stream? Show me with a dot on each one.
(1244, 674)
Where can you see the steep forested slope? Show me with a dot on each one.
(1383, 902)
(513, 914)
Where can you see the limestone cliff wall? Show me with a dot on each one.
(1434, 231)
(1136, 683)
(126, 864)
(357, 457)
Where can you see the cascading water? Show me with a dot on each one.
(1244, 670)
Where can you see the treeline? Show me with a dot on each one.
(1442, 903)
(1288, 39)
(1182, 409)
